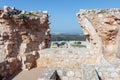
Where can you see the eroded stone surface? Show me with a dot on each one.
(22, 35)
(102, 29)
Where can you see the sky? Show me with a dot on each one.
(62, 12)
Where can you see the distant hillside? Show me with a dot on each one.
(68, 37)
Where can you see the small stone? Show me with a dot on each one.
(70, 73)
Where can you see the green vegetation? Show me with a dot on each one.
(93, 11)
(78, 45)
(103, 12)
(26, 15)
(68, 37)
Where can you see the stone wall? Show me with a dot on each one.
(22, 35)
(101, 26)
(65, 58)
(102, 29)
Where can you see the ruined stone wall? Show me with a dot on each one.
(22, 35)
(102, 28)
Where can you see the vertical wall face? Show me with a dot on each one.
(23, 34)
(102, 29)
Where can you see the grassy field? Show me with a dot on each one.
(79, 45)
(68, 37)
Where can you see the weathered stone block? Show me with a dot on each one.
(102, 30)
(22, 33)
(89, 73)
(70, 73)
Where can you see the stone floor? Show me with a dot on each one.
(65, 60)
(33, 74)
(69, 63)
(46, 73)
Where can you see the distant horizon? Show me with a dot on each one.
(67, 33)
(62, 13)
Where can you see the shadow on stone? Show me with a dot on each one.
(1, 77)
(98, 75)
(55, 76)
(13, 75)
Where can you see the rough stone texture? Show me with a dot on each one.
(101, 26)
(46, 73)
(89, 73)
(22, 35)
(102, 29)
(71, 64)
(100, 72)
(65, 58)
(103, 73)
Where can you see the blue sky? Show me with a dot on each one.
(63, 12)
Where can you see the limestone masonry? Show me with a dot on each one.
(22, 35)
(102, 29)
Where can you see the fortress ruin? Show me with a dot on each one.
(102, 29)
(22, 35)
